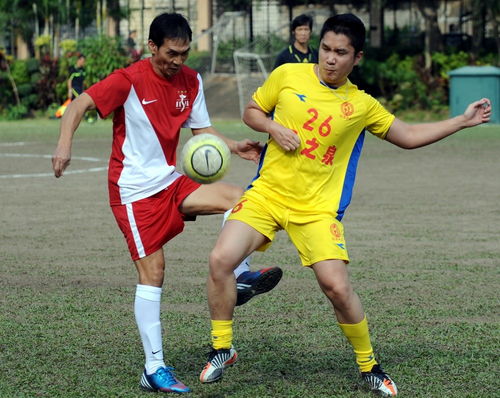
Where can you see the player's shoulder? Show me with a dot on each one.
(294, 66)
(137, 69)
(295, 69)
(189, 72)
(186, 78)
(359, 93)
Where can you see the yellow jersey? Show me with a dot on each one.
(319, 175)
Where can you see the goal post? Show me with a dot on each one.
(251, 72)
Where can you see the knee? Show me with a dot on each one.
(219, 263)
(157, 274)
(151, 269)
(152, 276)
(338, 292)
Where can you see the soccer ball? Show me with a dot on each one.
(205, 158)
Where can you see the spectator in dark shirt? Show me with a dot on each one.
(299, 51)
(76, 78)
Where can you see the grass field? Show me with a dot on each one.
(423, 232)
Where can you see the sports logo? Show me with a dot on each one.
(347, 110)
(302, 97)
(182, 102)
(335, 231)
(239, 206)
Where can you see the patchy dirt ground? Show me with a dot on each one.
(221, 93)
(422, 232)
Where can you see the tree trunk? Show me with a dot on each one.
(13, 84)
(496, 33)
(433, 39)
(376, 23)
(22, 51)
(98, 16)
(478, 25)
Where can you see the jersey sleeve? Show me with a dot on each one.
(110, 93)
(267, 95)
(198, 118)
(378, 119)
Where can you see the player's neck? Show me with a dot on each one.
(333, 85)
(302, 47)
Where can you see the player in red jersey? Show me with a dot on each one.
(151, 100)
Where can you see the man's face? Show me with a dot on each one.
(168, 59)
(80, 62)
(302, 34)
(337, 57)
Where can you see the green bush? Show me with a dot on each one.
(404, 83)
(44, 82)
(103, 55)
(19, 71)
(199, 61)
(444, 63)
(16, 112)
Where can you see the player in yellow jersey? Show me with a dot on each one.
(305, 183)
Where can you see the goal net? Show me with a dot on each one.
(251, 70)
(255, 61)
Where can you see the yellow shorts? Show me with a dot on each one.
(317, 236)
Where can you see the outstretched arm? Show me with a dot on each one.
(69, 123)
(410, 136)
(246, 149)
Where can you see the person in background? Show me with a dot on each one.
(299, 50)
(76, 78)
(132, 51)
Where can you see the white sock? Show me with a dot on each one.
(245, 264)
(147, 316)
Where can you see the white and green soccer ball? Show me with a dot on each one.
(205, 158)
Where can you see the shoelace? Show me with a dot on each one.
(167, 374)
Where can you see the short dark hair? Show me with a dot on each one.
(349, 25)
(300, 20)
(169, 26)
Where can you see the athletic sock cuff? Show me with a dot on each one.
(222, 333)
(348, 327)
(147, 292)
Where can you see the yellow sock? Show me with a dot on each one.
(359, 337)
(222, 334)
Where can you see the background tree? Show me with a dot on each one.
(376, 28)
(4, 66)
(433, 38)
(482, 12)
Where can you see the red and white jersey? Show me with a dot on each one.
(149, 112)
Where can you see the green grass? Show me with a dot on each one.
(422, 232)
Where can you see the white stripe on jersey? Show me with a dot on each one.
(198, 118)
(135, 231)
(145, 168)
